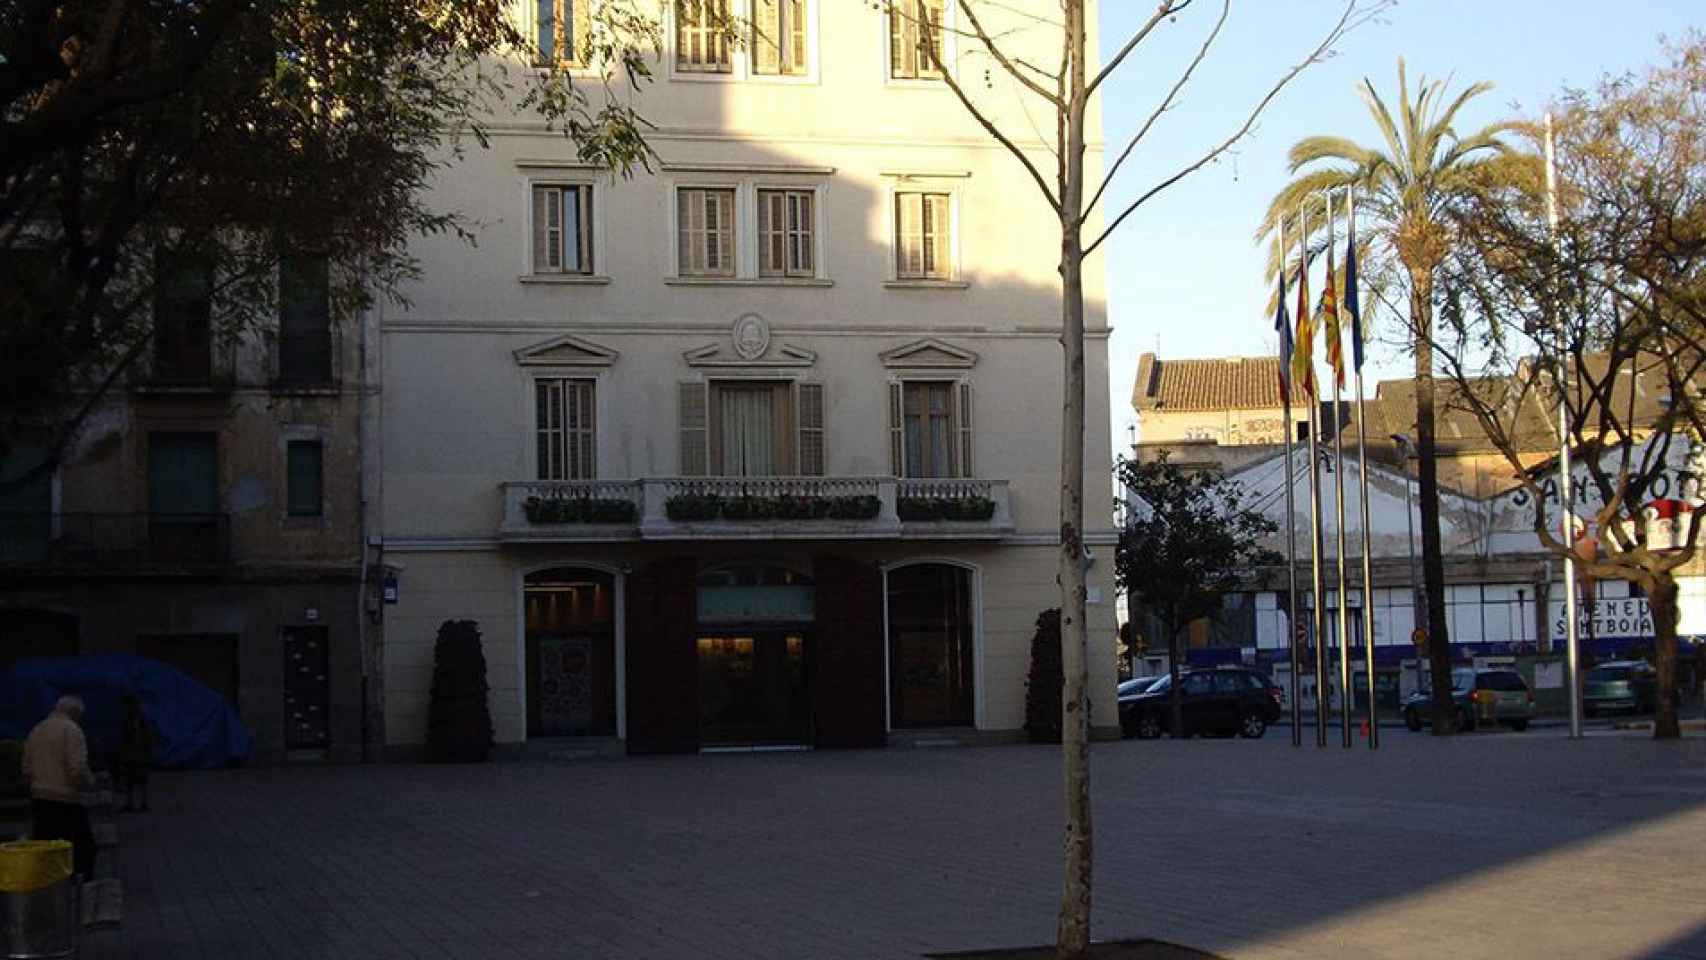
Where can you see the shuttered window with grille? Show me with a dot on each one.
(565, 428)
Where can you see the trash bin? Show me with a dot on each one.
(39, 915)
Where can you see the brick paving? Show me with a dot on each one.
(1504, 845)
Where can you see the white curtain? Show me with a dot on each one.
(748, 432)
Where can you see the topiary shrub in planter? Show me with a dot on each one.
(579, 510)
(1046, 682)
(693, 506)
(459, 719)
(689, 507)
(925, 509)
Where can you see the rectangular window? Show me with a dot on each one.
(930, 432)
(785, 233)
(303, 478)
(702, 36)
(752, 429)
(910, 42)
(923, 240)
(706, 232)
(779, 37)
(184, 524)
(565, 427)
(304, 320)
(559, 30)
(183, 316)
(562, 228)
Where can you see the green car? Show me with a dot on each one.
(1631, 685)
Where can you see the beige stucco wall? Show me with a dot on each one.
(1229, 427)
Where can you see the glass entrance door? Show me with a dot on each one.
(752, 688)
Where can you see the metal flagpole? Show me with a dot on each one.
(1344, 646)
(1362, 459)
(1318, 612)
(1566, 498)
(1290, 504)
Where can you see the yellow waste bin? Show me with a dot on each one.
(39, 919)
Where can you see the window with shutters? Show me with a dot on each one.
(930, 428)
(304, 482)
(812, 450)
(183, 313)
(786, 233)
(561, 31)
(744, 428)
(565, 428)
(779, 40)
(304, 320)
(923, 236)
(562, 228)
(705, 232)
(915, 27)
(702, 41)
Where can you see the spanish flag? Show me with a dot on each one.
(1330, 324)
(1303, 351)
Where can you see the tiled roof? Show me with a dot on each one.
(1229, 383)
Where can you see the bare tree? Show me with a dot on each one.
(1044, 61)
(1604, 313)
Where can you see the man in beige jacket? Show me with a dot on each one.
(56, 763)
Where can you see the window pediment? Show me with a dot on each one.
(566, 351)
(929, 353)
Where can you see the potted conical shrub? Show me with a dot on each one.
(459, 717)
(1044, 686)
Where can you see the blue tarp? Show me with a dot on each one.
(194, 727)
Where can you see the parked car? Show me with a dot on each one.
(1223, 700)
(1631, 685)
(1481, 696)
(1134, 686)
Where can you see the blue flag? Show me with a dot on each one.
(1351, 304)
(1282, 323)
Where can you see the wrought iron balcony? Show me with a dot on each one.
(755, 508)
(305, 361)
(115, 541)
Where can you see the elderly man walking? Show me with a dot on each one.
(56, 763)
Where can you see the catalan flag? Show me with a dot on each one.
(1330, 324)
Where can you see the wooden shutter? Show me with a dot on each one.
(684, 228)
(967, 464)
(908, 239)
(938, 253)
(541, 239)
(772, 233)
(801, 227)
(897, 429)
(724, 235)
(812, 451)
(796, 36)
(694, 442)
(577, 45)
(767, 37)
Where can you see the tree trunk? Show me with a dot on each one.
(1661, 600)
(1427, 469)
(1175, 699)
(1073, 930)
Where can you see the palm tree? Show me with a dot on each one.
(1403, 190)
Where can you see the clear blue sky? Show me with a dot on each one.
(1184, 278)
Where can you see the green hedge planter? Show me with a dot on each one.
(922, 509)
(579, 510)
(689, 507)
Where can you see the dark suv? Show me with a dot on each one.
(1224, 700)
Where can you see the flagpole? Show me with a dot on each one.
(1355, 309)
(1345, 697)
(1290, 504)
(1566, 497)
(1318, 622)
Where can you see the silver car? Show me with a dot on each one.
(1493, 695)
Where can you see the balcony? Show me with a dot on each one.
(755, 508)
(159, 542)
(188, 368)
(305, 362)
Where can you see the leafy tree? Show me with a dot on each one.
(1604, 313)
(1189, 540)
(1404, 187)
(141, 139)
(1038, 61)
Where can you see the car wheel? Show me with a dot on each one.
(1252, 726)
(1465, 722)
(1148, 726)
(1412, 720)
(1519, 725)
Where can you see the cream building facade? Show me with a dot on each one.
(760, 448)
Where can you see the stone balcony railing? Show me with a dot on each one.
(755, 508)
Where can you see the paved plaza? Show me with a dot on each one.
(1492, 845)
